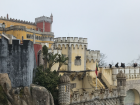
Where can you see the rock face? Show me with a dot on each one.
(18, 60)
(33, 95)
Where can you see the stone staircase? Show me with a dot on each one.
(99, 77)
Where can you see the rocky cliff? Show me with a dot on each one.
(33, 95)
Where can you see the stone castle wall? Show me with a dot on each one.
(18, 61)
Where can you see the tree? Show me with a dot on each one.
(135, 61)
(50, 59)
(102, 61)
(62, 60)
(48, 79)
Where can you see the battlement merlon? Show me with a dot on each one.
(75, 41)
(16, 20)
(95, 55)
(70, 39)
(43, 18)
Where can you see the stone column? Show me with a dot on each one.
(122, 100)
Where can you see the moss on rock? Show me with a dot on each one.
(3, 97)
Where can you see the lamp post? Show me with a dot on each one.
(3, 26)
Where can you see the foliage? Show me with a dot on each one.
(102, 61)
(51, 58)
(21, 94)
(48, 79)
(3, 97)
(62, 60)
(135, 61)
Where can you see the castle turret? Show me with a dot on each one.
(121, 84)
(75, 49)
(64, 90)
(44, 23)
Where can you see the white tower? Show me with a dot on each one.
(64, 90)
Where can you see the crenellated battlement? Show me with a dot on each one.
(70, 40)
(95, 55)
(60, 41)
(17, 20)
(43, 18)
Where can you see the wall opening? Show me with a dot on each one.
(78, 60)
(132, 97)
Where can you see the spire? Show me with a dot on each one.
(7, 16)
(51, 15)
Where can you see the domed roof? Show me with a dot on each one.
(64, 79)
(121, 75)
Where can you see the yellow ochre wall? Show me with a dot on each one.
(19, 33)
(77, 52)
(65, 52)
(108, 75)
(9, 23)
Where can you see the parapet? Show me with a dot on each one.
(43, 18)
(93, 55)
(16, 20)
(18, 27)
(70, 41)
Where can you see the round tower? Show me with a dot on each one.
(121, 84)
(64, 90)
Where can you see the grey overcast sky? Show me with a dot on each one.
(111, 26)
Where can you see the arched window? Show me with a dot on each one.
(78, 60)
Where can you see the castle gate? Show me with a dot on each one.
(132, 92)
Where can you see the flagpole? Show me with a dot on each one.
(96, 82)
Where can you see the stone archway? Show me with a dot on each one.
(132, 92)
(132, 97)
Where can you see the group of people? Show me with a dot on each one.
(122, 65)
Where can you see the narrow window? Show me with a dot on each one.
(78, 60)
(120, 83)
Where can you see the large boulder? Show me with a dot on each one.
(33, 95)
(5, 82)
(41, 96)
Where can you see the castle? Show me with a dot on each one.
(39, 31)
(78, 82)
